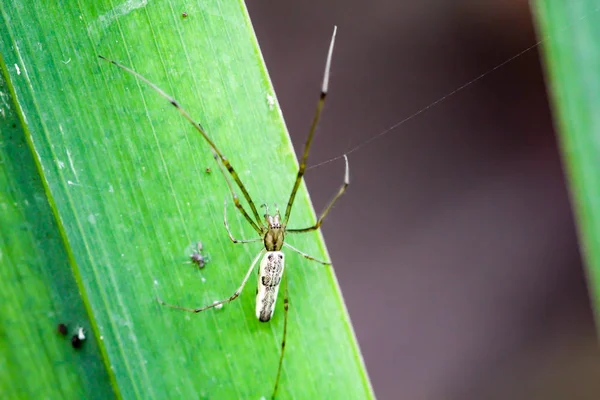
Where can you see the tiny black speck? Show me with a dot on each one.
(76, 342)
(62, 329)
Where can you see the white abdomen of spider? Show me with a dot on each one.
(269, 278)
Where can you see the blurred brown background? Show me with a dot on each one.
(455, 246)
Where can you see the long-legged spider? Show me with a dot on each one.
(271, 229)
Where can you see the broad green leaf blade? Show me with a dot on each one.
(572, 54)
(37, 288)
(126, 179)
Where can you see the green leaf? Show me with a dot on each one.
(104, 191)
(572, 55)
(37, 287)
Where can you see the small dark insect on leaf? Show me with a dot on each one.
(208, 171)
(76, 342)
(184, 14)
(78, 338)
(62, 329)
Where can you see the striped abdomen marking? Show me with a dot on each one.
(269, 278)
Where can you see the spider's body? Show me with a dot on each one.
(271, 268)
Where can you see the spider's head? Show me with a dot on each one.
(275, 232)
(273, 221)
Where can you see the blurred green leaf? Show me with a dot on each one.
(572, 59)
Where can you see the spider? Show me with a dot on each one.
(197, 257)
(272, 228)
